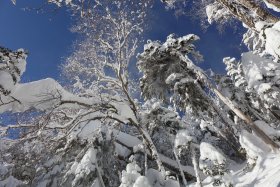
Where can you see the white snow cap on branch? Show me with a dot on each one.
(215, 12)
(263, 76)
(12, 66)
(264, 40)
(271, 6)
(272, 45)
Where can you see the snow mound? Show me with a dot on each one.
(253, 145)
(209, 152)
(272, 45)
(265, 173)
(262, 75)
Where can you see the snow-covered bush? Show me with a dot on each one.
(213, 163)
(132, 177)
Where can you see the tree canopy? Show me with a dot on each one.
(172, 125)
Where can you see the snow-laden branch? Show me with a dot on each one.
(172, 55)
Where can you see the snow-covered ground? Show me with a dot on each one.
(266, 173)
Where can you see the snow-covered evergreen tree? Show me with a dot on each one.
(188, 131)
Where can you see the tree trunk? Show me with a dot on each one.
(228, 134)
(247, 119)
(180, 167)
(150, 145)
(100, 179)
(262, 13)
(195, 165)
(274, 2)
(203, 78)
(240, 15)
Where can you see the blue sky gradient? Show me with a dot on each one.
(47, 37)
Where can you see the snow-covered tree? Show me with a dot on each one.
(179, 78)
(12, 66)
(166, 75)
(97, 132)
(168, 72)
(255, 15)
(249, 87)
(91, 131)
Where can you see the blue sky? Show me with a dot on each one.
(47, 37)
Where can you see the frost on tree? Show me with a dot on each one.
(12, 66)
(168, 69)
(256, 16)
(94, 130)
(168, 72)
(18, 97)
(98, 132)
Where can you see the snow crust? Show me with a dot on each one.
(42, 94)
